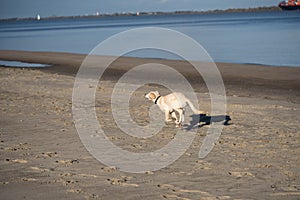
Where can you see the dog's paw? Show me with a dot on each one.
(179, 125)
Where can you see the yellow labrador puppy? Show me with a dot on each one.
(171, 103)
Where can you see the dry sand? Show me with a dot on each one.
(42, 157)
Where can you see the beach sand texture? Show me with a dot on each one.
(42, 157)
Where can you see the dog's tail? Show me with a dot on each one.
(193, 108)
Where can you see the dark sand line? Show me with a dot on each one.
(239, 79)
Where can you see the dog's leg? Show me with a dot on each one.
(173, 115)
(181, 117)
(167, 116)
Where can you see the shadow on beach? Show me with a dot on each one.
(203, 120)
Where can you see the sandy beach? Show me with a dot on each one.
(42, 156)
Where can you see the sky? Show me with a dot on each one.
(46, 8)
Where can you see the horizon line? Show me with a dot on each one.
(145, 13)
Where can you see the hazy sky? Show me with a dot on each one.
(30, 8)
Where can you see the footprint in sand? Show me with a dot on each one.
(49, 154)
(241, 174)
(178, 192)
(39, 169)
(18, 147)
(109, 169)
(28, 179)
(67, 162)
(21, 161)
(123, 181)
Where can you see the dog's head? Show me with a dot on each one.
(152, 95)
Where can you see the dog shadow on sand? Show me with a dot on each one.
(203, 120)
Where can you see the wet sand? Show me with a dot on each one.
(42, 157)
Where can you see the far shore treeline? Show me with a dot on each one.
(99, 15)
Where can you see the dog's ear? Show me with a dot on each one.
(152, 95)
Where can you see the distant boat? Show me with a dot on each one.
(38, 17)
(290, 5)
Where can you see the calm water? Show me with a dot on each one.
(271, 38)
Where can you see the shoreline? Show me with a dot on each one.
(266, 78)
(242, 79)
(40, 57)
(145, 58)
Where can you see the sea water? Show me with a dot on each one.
(21, 64)
(267, 38)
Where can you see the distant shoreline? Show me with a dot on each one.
(217, 11)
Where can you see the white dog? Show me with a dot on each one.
(171, 103)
